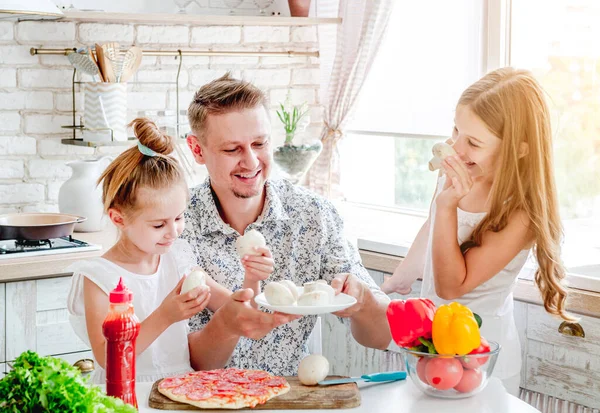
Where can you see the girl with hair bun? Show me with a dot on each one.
(145, 195)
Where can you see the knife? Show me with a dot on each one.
(375, 377)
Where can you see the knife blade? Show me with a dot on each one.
(375, 377)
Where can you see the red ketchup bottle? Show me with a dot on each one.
(120, 328)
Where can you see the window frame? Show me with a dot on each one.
(497, 44)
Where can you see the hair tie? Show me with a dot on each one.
(145, 150)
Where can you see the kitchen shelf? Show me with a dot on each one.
(197, 19)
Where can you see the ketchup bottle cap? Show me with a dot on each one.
(121, 294)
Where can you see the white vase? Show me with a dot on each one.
(80, 195)
(105, 108)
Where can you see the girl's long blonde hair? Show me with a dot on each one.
(133, 170)
(512, 105)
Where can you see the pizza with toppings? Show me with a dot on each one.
(224, 389)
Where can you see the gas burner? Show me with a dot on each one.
(21, 248)
(25, 243)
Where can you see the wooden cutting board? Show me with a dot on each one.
(339, 396)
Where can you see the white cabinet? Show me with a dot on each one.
(37, 318)
(2, 327)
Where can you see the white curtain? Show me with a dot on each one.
(343, 73)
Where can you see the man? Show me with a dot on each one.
(231, 137)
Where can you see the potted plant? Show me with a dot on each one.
(294, 160)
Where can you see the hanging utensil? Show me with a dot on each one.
(106, 55)
(132, 59)
(83, 63)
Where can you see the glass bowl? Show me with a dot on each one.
(450, 377)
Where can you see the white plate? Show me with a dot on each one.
(340, 302)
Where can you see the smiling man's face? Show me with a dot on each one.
(236, 149)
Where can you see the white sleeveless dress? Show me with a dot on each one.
(169, 354)
(492, 300)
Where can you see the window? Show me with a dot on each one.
(557, 41)
(427, 60)
(431, 52)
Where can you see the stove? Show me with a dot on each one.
(25, 248)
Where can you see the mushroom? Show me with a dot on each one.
(441, 151)
(320, 285)
(246, 243)
(290, 286)
(313, 369)
(278, 294)
(195, 279)
(314, 298)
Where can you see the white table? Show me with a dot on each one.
(403, 397)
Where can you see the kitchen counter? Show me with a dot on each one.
(48, 266)
(403, 396)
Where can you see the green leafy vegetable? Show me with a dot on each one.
(478, 319)
(430, 347)
(47, 384)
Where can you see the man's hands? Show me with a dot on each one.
(176, 307)
(238, 317)
(258, 267)
(350, 284)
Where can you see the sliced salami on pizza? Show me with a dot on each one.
(224, 389)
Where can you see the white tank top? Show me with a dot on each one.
(492, 300)
(169, 353)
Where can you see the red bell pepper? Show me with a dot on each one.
(475, 362)
(410, 319)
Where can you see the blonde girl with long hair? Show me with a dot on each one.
(495, 202)
(145, 196)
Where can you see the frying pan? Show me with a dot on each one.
(37, 226)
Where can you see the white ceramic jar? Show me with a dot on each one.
(80, 195)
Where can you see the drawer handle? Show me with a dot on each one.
(85, 365)
(567, 328)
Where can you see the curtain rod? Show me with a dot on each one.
(36, 51)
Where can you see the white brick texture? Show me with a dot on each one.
(266, 34)
(52, 147)
(55, 32)
(163, 35)
(298, 96)
(146, 100)
(26, 100)
(47, 124)
(64, 101)
(199, 77)
(216, 35)
(21, 193)
(11, 169)
(97, 33)
(305, 76)
(6, 31)
(48, 169)
(53, 189)
(306, 34)
(162, 75)
(268, 77)
(10, 122)
(41, 208)
(45, 78)
(8, 78)
(16, 55)
(17, 145)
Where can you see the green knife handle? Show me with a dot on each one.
(388, 376)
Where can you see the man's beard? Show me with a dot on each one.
(245, 195)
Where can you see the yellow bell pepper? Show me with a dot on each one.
(455, 330)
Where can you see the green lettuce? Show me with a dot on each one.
(47, 384)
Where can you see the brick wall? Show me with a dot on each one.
(35, 91)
